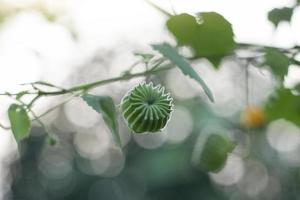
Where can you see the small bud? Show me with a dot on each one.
(252, 117)
(52, 141)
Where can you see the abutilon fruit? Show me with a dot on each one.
(147, 108)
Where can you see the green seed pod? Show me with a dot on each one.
(147, 108)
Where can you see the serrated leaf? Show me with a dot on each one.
(19, 121)
(106, 107)
(283, 105)
(210, 35)
(171, 53)
(278, 15)
(278, 62)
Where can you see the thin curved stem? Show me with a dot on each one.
(75, 91)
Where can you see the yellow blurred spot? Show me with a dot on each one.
(252, 117)
(8, 9)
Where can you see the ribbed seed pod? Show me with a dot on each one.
(147, 108)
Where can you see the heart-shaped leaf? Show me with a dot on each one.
(209, 35)
(278, 62)
(278, 15)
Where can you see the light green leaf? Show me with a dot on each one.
(106, 107)
(278, 15)
(283, 105)
(146, 57)
(215, 152)
(278, 62)
(171, 53)
(210, 35)
(19, 121)
(21, 94)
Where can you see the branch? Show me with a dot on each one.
(75, 91)
(4, 127)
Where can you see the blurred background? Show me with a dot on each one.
(69, 42)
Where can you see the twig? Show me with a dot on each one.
(4, 127)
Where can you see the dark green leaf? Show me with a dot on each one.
(209, 36)
(214, 152)
(278, 62)
(283, 105)
(19, 121)
(278, 15)
(106, 107)
(171, 53)
(52, 141)
(297, 87)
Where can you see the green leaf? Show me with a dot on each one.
(278, 15)
(215, 152)
(210, 35)
(277, 61)
(146, 57)
(297, 87)
(106, 107)
(21, 94)
(52, 141)
(171, 53)
(19, 121)
(283, 105)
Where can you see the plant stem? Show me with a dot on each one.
(80, 89)
(261, 46)
(4, 127)
(89, 86)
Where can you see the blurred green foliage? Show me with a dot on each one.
(278, 62)
(19, 120)
(209, 34)
(168, 172)
(278, 15)
(283, 104)
(106, 107)
(214, 152)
